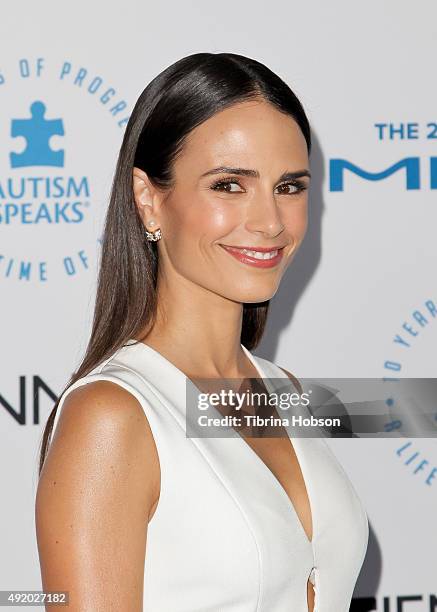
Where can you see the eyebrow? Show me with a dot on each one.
(254, 173)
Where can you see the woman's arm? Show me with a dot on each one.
(96, 491)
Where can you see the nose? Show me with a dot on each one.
(263, 216)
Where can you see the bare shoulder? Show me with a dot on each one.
(99, 482)
(103, 418)
(293, 379)
(98, 405)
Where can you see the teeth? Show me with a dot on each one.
(259, 255)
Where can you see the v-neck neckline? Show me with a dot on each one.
(297, 452)
(263, 466)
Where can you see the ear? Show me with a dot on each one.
(145, 197)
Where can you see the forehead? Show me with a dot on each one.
(252, 132)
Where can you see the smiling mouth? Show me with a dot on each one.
(256, 257)
(261, 253)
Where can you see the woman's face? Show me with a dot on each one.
(252, 204)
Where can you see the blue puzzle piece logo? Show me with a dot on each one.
(37, 131)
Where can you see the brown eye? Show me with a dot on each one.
(224, 185)
(298, 186)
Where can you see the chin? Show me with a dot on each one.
(253, 296)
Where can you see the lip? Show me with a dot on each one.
(235, 251)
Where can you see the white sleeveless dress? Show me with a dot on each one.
(225, 536)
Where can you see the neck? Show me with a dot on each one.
(199, 331)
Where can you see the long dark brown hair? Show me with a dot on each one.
(184, 95)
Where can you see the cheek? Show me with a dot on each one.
(203, 222)
(295, 220)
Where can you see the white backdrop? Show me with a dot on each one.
(364, 275)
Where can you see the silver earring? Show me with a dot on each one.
(153, 236)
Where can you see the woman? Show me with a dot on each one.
(208, 208)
